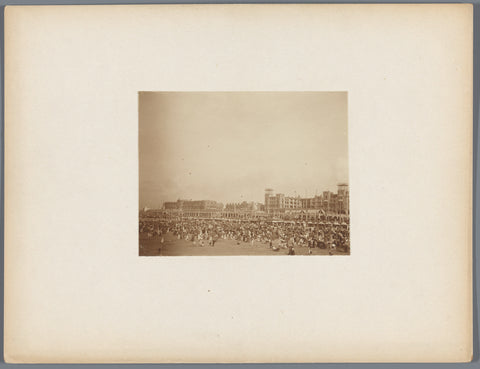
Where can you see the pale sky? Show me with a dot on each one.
(230, 146)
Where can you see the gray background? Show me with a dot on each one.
(476, 176)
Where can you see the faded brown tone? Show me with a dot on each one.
(230, 146)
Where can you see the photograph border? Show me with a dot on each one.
(476, 181)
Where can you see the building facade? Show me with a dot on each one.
(328, 202)
(243, 206)
(193, 205)
(275, 204)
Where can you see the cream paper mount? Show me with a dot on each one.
(76, 289)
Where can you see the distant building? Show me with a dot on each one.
(268, 195)
(243, 206)
(280, 202)
(343, 199)
(328, 201)
(308, 203)
(193, 205)
(202, 205)
(171, 205)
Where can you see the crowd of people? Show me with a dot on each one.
(331, 235)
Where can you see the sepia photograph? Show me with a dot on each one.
(222, 180)
(243, 173)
